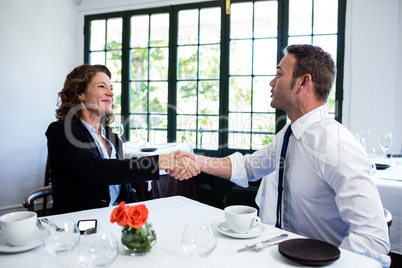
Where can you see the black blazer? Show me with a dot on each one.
(81, 177)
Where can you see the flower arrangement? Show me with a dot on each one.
(138, 236)
(134, 216)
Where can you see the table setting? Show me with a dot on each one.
(186, 234)
(389, 185)
(387, 175)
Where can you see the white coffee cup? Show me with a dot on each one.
(241, 219)
(17, 228)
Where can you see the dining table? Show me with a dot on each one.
(388, 178)
(169, 217)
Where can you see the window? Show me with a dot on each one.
(198, 76)
(192, 73)
(315, 22)
(252, 60)
(105, 47)
(148, 81)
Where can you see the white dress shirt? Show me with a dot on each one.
(328, 193)
(114, 190)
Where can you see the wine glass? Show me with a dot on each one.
(198, 240)
(385, 141)
(370, 150)
(64, 236)
(121, 131)
(98, 249)
(363, 136)
(396, 158)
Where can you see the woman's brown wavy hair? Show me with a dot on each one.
(76, 84)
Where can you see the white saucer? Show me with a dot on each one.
(223, 228)
(36, 241)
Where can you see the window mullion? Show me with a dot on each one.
(125, 77)
(283, 35)
(340, 59)
(197, 142)
(172, 76)
(312, 21)
(252, 78)
(224, 83)
(87, 38)
(148, 82)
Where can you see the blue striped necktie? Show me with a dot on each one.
(280, 177)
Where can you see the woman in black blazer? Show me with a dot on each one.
(86, 164)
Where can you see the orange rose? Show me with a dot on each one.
(119, 214)
(136, 216)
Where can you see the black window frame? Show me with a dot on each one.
(282, 38)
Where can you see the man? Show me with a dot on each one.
(327, 190)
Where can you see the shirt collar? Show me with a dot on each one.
(92, 129)
(303, 123)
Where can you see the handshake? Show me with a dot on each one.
(181, 165)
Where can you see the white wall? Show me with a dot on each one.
(37, 50)
(373, 69)
(42, 40)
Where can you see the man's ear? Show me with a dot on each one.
(81, 97)
(306, 85)
(306, 80)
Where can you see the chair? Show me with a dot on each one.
(42, 192)
(47, 182)
(388, 219)
(29, 199)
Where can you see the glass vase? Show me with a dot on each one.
(138, 241)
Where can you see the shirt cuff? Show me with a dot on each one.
(239, 175)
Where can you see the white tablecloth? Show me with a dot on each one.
(169, 217)
(131, 149)
(389, 184)
(134, 150)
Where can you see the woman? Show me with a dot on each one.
(86, 167)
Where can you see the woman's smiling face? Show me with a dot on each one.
(98, 96)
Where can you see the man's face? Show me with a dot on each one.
(282, 93)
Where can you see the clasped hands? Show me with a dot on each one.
(181, 165)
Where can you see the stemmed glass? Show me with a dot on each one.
(396, 158)
(364, 136)
(370, 150)
(385, 142)
(121, 131)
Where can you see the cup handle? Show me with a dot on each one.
(257, 221)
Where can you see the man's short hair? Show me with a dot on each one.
(315, 61)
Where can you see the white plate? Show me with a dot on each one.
(36, 241)
(223, 228)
